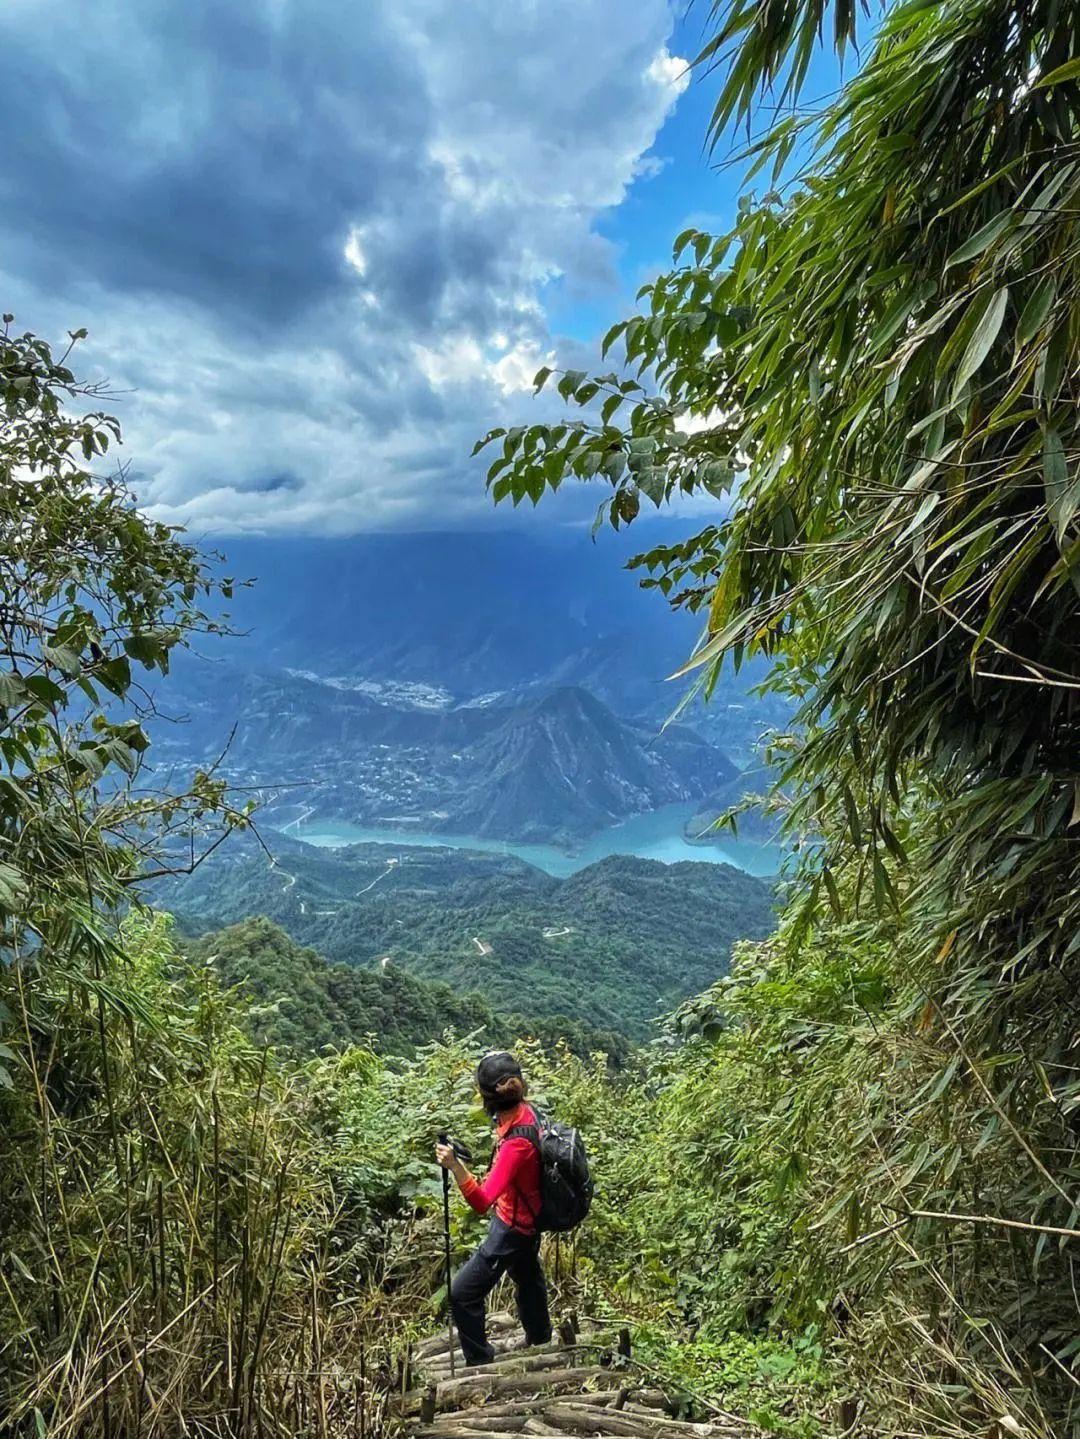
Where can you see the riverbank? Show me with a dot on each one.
(658, 835)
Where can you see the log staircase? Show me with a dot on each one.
(582, 1386)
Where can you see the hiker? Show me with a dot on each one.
(512, 1186)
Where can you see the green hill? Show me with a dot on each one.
(612, 946)
(302, 1002)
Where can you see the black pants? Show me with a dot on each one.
(504, 1251)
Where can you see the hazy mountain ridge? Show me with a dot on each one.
(552, 768)
(500, 611)
(471, 612)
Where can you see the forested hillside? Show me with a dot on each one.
(612, 947)
(295, 1000)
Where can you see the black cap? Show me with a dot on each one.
(493, 1069)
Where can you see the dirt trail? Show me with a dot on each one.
(581, 1386)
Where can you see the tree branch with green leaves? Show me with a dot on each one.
(93, 595)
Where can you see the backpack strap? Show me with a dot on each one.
(531, 1132)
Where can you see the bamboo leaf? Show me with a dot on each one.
(982, 239)
(1069, 71)
(1035, 311)
(982, 339)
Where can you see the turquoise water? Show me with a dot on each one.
(657, 835)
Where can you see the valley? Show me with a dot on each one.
(552, 767)
(471, 787)
(612, 946)
(500, 686)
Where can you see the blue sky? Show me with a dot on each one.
(320, 245)
(682, 185)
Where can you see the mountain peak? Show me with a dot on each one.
(572, 701)
(563, 765)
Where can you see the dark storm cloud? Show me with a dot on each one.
(202, 151)
(312, 237)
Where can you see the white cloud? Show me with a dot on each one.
(354, 252)
(457, 360)
(461, 360)
(517, 369)
(669, 70)
(320, 272)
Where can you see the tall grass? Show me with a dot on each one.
(174, 1254)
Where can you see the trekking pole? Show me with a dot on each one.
(444, 1138)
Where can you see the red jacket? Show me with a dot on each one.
(513, 1181)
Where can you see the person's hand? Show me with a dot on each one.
(444, 1153)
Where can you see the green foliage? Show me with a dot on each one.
(205, 1179)
(172, 1190)
(884, 352)
(593, 957)
(778, 1384)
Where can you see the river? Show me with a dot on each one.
(657, 835)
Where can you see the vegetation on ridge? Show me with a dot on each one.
(610, 948)
(298, 1002)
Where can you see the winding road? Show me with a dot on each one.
(391, 864)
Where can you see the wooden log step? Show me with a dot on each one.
(594, 1421)
(438, 1344)
(497, 1323)
(518, 1361)
(510, 1343)
(510, 1353)
(462, 1418)
(547, 1380)
(648, 1401)
(478, 1419)
(470, 1392)
(586, 1420)
(566, 1405)
(537, 1426)
(434, 1432)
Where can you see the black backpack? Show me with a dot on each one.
(566, 1187)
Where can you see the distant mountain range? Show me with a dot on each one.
(498, 685)
(555, 766)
